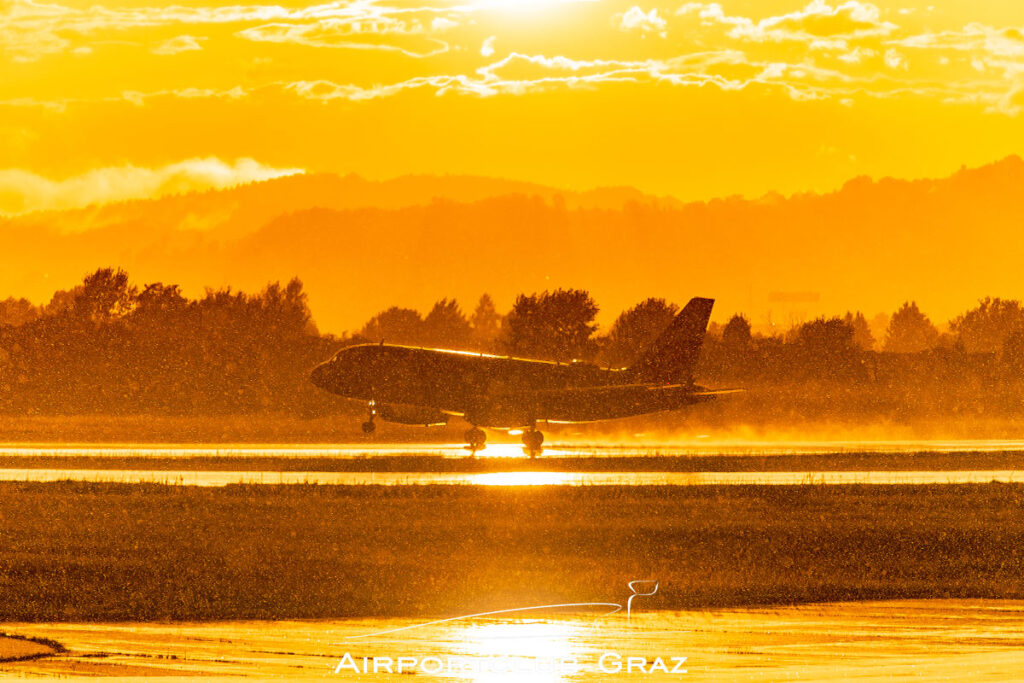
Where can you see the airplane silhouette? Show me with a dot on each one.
(422, 386)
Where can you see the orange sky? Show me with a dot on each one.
(687, 98)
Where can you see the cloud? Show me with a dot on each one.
(442, 24)
(893, 59)
(521, 74)
(139, 98)
(844, 50)
(30, 30)
(725, 70)
(974, 37)
(27, 30)
(1012, 103)
(178, 44)
(390, 35)
(487, 49)
(819, 24)
(134, 97)
(857, 55)
(22, 191)
(635, 19)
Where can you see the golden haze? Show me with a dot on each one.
(360, 246)
(693, 100)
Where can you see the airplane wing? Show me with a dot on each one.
(581, 404)
(611, 391)
(717, 392)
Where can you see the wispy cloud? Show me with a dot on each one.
(636, 19)
(487, 49)
(30, 29)
(843, 49)
(396, 36)
(974, 37)
(520, 74)
(22, 191)
(819, 24)
(178, 44)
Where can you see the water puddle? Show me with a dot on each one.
(224, 478)
(880, 641)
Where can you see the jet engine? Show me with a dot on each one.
(406, 414)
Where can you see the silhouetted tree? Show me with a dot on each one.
(105, 347)
(556, 325)
(984, 329)
(635, 329)
(879, 325)
(446, 326)
(862, 336)
(286, 309)
(485, 324)
(394, 326)
(158, 298)
(736, 334)
(1013, 353)
(825, 348)
(62, 301)
(731, 355)
(910, 331)
(105, 295)
(16, 312)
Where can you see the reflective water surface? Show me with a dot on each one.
(638, 447)
(503, 464)
(223, 478)
(881, 641)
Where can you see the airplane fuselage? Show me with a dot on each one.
(422, 386)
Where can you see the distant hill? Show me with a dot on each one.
(360, 245)
(232, 212)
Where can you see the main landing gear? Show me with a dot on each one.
(476, 440)
(533, 442)
(369, 427)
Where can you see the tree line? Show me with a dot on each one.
(109, 346)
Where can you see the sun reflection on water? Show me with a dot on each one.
(501, 450)
(523, 478)
(514, 450)
(540, 651)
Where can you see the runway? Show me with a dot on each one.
(609, 448)
(504, 464)
(514, 478)
(976, 640)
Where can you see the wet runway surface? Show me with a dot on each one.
(632, 448)
(880, 641)
(923, 463)
(224, 478)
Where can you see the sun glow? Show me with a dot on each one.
(507, 643)
(512, 450)
(501, 450)
(509, 90)
(524, 478)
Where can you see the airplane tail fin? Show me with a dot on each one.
(672, 357)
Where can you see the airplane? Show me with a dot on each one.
(425, 386)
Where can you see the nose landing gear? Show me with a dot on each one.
(476, 440)
(533, 441)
